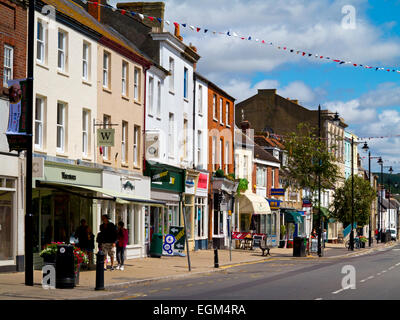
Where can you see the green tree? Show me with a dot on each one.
(364, 194)
(309, 159)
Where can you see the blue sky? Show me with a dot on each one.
(368, 100)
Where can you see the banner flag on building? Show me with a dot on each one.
(16, 131)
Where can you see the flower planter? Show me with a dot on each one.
(289, 244)
(362, 244)
(282, 243)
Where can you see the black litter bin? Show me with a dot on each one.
(156, 245)
(299, 247)
(65, 266)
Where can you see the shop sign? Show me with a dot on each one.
(203, 181)
(72, 175)
(307, 203)
(274, 204)
(179, 234)
(105, 137)
(162, 176)
(16, 131)
(189, 185)
(278, 192)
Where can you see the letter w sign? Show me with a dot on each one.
(105, 137)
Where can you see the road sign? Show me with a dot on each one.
(179, 234)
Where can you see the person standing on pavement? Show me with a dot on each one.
(108, 240)
(122, 241)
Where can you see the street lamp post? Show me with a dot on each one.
(366, 148)
(390, 171)
(380, 162)
(336, 120)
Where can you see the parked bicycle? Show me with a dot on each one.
(356, 244)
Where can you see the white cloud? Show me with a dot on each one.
(386, 95)
(351, 111)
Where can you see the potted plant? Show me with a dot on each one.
(49, 253)
(80, 257)
(282, 237)
(363, 240)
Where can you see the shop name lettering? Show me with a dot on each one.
(68, 176)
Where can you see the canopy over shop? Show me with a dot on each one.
(294, 221)
(254, 212)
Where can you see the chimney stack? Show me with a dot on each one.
(149, 9)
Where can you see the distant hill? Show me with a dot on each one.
(394, 178)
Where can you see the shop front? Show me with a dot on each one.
(61, 198)
(222, 193)
(294, 224)
(167, 186)
(201, 209)
(132, 200)
(254, 214)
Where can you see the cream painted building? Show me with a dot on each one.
(79, 181)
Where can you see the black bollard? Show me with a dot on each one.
(216, 264)
(99, 271)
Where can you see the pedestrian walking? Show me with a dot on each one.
(85, 239)
(122, 241)
(108, 240)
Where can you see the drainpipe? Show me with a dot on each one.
(144, 118)
(194, 120)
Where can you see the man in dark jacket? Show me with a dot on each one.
(108, 239)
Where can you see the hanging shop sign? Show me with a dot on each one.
(105, 137)
(274, 204)
(17, 120)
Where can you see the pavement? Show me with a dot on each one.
(148, 269)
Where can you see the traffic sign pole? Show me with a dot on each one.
(186, 237)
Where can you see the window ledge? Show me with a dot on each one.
(59, 154)
(228, 126)
(42, 65)
(136, 167)
(200, 114)
(216, 120)
(107, 90)
(125, 97)
(86, 82)
(62, 73)
(87, 159)
(186, 100)
(171, 92)
(137, 102)
(107, 161)
(37, 150)
(158, 118)
(124, 165)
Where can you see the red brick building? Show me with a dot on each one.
(221, 125)
(13, 48)
(13, 40)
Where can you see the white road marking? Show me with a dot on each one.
(370, 277)
(384, 271)
(391, 268)
(318, 299)
(335, 292)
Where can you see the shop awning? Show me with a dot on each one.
(292, 216)
(119, 197)
(253, 204)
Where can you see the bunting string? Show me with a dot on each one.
(247, 38)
